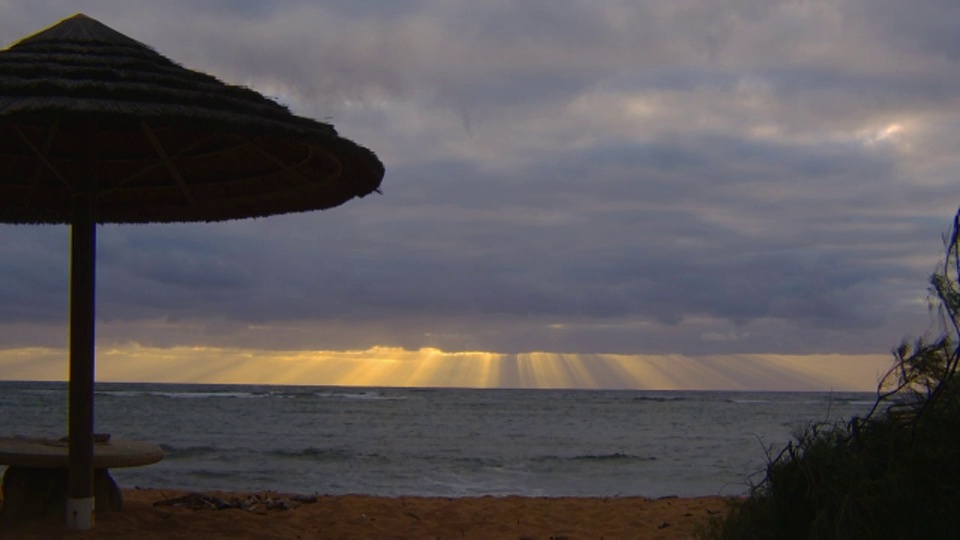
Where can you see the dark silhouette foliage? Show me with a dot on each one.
(894, 473)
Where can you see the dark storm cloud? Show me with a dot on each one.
(586, 177)
(560, 253)
(33, 276)
(926, 25)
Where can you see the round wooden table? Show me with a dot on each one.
(35, 482)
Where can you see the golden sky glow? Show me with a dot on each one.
(777, 183)
(382, 366)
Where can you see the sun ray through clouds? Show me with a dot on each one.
(430, 367)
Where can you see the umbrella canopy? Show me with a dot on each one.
(87, 110)
(96, 127)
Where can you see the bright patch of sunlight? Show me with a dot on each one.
(428, 367)
(874, 136)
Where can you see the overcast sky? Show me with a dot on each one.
(737, 177)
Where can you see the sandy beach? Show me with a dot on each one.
(269, 515)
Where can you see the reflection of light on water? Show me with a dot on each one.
(386, 366)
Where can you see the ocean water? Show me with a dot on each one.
(438, 442)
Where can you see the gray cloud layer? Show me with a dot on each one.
(632, 177)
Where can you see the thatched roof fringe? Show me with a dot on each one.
(71, 65)
(46, 110)
(114, 72)
(88, 49)
(39, 89)
(120, 86)
(66, 69)
(165, 143)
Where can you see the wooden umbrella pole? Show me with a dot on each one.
(83, 267)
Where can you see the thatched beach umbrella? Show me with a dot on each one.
(96, 127)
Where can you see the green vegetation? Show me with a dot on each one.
(894, 473)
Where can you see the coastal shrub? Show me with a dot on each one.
(892, 474)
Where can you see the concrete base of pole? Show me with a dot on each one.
(80, 513)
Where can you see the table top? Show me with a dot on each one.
(53, 453)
